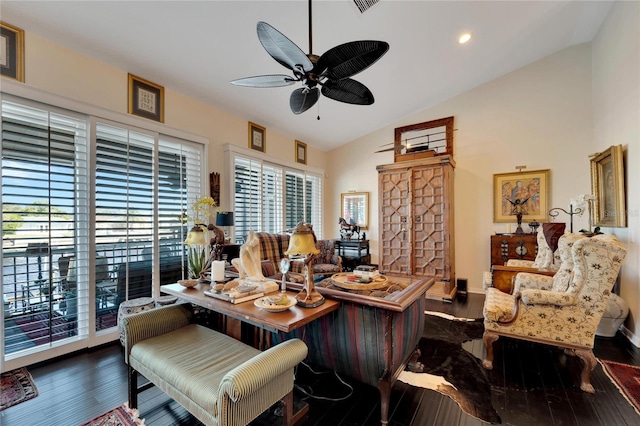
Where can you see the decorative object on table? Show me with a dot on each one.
(235, 291)
(354, 207)
(17, 386)
(146, 99)
(257, 137)
(119, 416)
(302, 243)
(518, 209)
(607, 185)
(204, 242)
(350, 281)
(626, 378)
(300, 152)
(347, 230)
(530, 188)
(225, 221)
(284, 266)
(188, 283)
(534, 224)
(277, 303)
(331, 71)
(423, 140)
(248, 264)
(12, 57)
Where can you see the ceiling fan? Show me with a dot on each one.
(331, 71)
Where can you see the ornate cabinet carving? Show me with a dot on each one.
(416, 218)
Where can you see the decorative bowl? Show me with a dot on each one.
(266, 304)
(188, 283)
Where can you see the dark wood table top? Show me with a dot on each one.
(288, 320)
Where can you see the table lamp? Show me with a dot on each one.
(303, 243)
(224, 219)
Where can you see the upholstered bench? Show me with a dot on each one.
(218, 379)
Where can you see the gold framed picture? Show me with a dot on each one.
(607, 185)
(526, 192)
(146, 99)
(354, 207)
(301, 152)
(11, 52)
(257, 137)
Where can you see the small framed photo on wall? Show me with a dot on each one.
(11, 52)
(146, 99)
(257, 137)
(301, 152)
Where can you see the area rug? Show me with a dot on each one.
(446, 367)
(119, 416)
(626, 378)
(16, 386)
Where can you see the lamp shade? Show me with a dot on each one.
(302, 241)
(224, 219)
(195, 236)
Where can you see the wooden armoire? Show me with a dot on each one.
(416, 218)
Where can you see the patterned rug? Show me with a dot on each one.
(16, 386)
(627, 380)
(119, 416)
(446, 367)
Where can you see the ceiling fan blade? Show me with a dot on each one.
(276, 80)
(350, 58)
(303, 99)
(282, 49)
(348, 91)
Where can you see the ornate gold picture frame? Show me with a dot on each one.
(11, 52)
(530, 189)
(257, 137)
(354, 208)
(146, 99)
(607, 185)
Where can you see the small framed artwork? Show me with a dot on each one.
(607, 185)
(301, 152)
(257, 137)
(11, 52)
(354, 207)
(146, 99)
(521, 192)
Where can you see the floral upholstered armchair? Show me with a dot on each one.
(563, 310)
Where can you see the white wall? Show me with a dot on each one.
(616, 120)
(538, 116)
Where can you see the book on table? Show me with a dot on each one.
(234, 296)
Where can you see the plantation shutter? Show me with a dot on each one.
(248, 197)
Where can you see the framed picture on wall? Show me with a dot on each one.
(11, 52)
(354, 208)
(607, 185)
(257, 137)
(521, 191)
(301, 152)
(146, 99)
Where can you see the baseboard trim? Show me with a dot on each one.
(635, 340)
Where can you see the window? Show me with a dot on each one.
(87, 222)
(271, 198)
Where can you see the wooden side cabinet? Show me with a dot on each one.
(512, 246)
(353, 252)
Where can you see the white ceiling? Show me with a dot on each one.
(197, 47)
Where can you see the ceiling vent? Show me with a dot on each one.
(363, 5)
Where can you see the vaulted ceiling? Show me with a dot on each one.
(197, 47)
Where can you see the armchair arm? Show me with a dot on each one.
(526, 280)
(546, 297)
(148, 324)
(337, 260)
(261, 369)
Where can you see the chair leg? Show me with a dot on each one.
(133, 387)
(385, 395)
(488, 338)
(589, 360)
(287, 414)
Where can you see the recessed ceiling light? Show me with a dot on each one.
(464, 38)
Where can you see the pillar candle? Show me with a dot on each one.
(217, 270)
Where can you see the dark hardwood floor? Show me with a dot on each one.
(530, 385)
